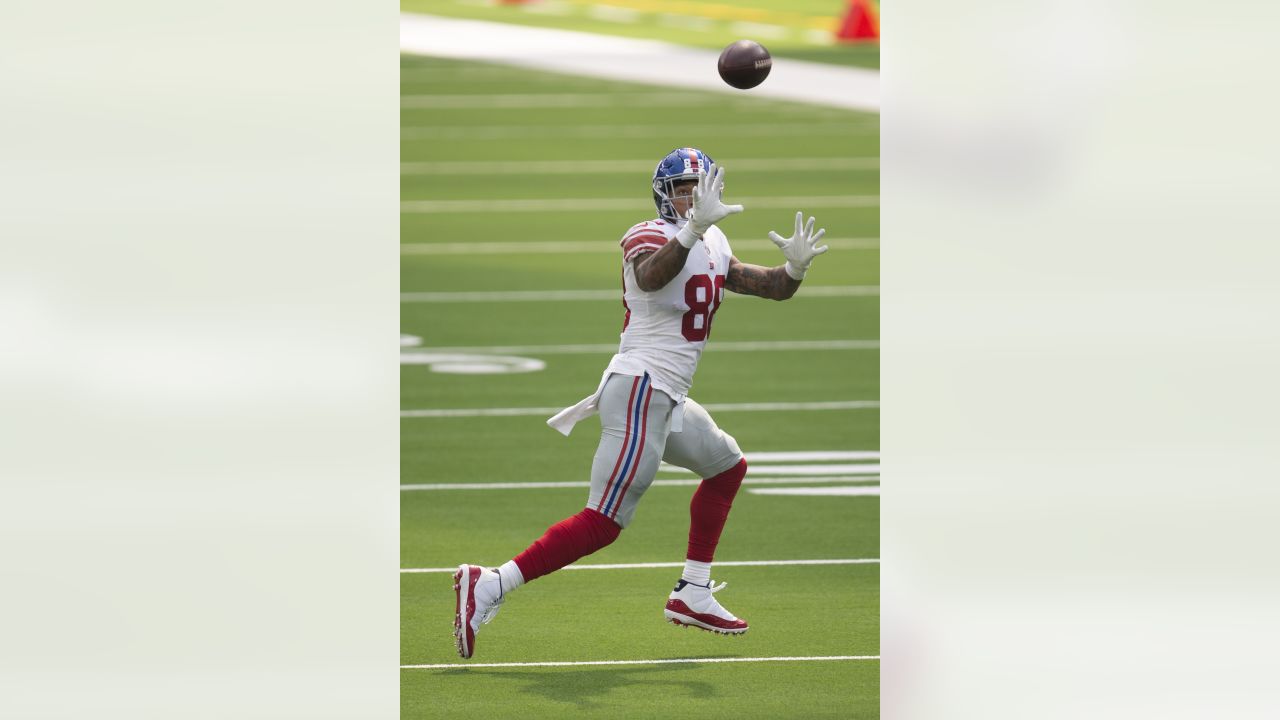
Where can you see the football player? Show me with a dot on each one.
(675, 270)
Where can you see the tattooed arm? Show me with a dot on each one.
(772, 283)
(654, 270)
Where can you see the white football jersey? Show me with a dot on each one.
(665, 331)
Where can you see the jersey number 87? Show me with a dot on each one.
(696, 324)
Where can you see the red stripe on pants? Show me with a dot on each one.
(622, 453)
(644, 427)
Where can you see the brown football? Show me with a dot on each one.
(744, 64)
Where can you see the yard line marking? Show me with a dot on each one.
(719, 563)
(711, 407)
(512, 101)
(813, 658)
(825, 491)
(594, 246)
(723, 346)
(579, 167)
(503, 132)
(469, 75)
(582, 204)
(810, 455)
(611, 295)
(762, 470)
(495, 486)
(415, 75)
(655, 483)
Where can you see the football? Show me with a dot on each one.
(744, 64)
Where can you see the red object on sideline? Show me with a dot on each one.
(568, 540)
(862, 22)
(710, 508)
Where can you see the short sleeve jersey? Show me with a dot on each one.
(665, 331)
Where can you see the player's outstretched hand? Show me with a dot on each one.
(708, 207)
(801, 248)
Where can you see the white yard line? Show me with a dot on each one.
(594, 167)
(812, 455)
(711, 407)
(610, 348)
(826, 491)
(495, 486)
(814, 658)
(750, 480)
(803, 470)
(645, 566)
(526, 101)
(473, 74)
(541, 247)
(632, 60)
(611, 295)
(637, 203)
(504, 132)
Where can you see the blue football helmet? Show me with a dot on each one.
(680, 165)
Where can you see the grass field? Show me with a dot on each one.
(466, 157)
(799, 29)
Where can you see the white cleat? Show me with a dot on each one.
(479, 595)
(694, 605)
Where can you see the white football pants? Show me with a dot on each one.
(636, 435)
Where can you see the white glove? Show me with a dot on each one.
(800, 249)
(707, 207)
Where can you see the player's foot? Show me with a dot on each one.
(479, 593)
(694, 605)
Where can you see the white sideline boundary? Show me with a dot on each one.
(711, 407)
(649, 566)
(520, 205)
(610, 295)
(594, 246)
(812, 658)
(611, 348)
(632, 60)
(682, 482)
(628, 167)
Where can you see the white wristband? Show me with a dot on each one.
(793, 272)
(686, 236)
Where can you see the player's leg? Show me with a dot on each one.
(634, 420)
(701, 446)
(631, 448)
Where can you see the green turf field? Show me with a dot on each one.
(799, 29)
(582, 170)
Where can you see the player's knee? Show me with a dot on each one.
(605, 529)
(734, 474)
(731, 447)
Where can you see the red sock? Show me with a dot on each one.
(710, 508)
(574, 537)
